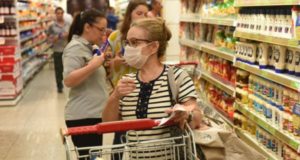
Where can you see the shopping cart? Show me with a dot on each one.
(174, 148)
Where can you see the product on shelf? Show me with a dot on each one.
(7, 7)
(8, 29)
(219, 99)
(277, 104)
(10, 82)
(269, 21)
(276, 57)
(218, 67)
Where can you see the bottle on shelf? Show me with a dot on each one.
(279, 58)
(297, 63)
(290, 61)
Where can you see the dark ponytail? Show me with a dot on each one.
(89, 16)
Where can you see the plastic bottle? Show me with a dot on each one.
(263, 49)
(297, 63)
(271, 57)
(279, 58)
(272, 22)
(252, 53)
(290, 61)
(287, 30)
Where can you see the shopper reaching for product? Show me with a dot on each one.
(85, 75)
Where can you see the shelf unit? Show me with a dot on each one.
(260, 121)
(286, 80)
(37, 28)
(11, 101)
(254, 3)
(268, 39)
(218, 82)
(191, 43)
(249, 139)
(283, 79)
(209, 48)
(197, 18)
(219, 52)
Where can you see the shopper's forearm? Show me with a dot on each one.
(78, 76)
(111, 110)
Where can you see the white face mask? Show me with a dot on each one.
(134, 57)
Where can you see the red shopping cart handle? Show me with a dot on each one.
(115, 126)
(188, 63)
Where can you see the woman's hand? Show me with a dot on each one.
(97, 61)
(179, 117)
(124, 87)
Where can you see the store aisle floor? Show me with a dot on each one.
(30, 130)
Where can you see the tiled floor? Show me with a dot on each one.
(30, 130)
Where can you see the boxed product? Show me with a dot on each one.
(10, 86)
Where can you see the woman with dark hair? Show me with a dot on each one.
(58, 33)
(85, 75)
(136, 9)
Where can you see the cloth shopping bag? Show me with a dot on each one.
(220, 144)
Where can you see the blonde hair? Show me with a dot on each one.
(157, 31)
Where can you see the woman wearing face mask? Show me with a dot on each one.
(136, 9)
(146, 94)
(85, 75)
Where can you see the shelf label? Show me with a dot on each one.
(234, 61)
(1, 19)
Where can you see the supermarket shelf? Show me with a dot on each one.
(11, 101)
(221, 113)
(30, 37)
(28, 19)
(286, 138)
(27, 1)
(33, 45)
(191, 43)
(45, 20)
(27, 28)
(221, 84)
(195, 18)
(268, 39)
(211, 49)
(250, 140)
(24, 61)
(249, 3)
(283, 79)
(32, 72)
(224, 21)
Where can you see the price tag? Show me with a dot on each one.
(1, 19)
(234, 93)
(234, 61)
(2, 41)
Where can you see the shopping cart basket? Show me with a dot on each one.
(174, 148)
